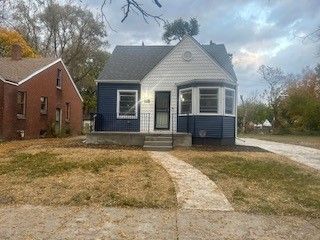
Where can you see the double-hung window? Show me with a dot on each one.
(127, 101)
(208, 100)
(21, 104)
(229, 101)
(43, 105)
(185, 101)
(68, 110)
(59, 78)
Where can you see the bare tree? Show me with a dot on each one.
(274, 77)
(136, 7)
(129, 6)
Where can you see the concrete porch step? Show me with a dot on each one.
(158, 143)
(157, 148)
(158, 138)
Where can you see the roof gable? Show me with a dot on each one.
(136, 62)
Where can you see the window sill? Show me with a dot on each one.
(59, 88)
(210, 114)
(127, 117)
(21, 117)
(67, 120)
(43, 113)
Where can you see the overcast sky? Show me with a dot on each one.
(255, 32)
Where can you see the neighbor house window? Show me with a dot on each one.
(185, 101)
(229, 101)
(21, 104)
(68, 108)
(59, 78)
(43, 105)
(127, 104)
(208, 100)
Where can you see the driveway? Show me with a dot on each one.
(39, 222)
(304, 155)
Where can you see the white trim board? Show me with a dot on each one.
(117, 81)
(73, 84)
(39, 71)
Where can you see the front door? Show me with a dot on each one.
(58, 121)
(162, 111)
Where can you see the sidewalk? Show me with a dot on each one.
(37, 222)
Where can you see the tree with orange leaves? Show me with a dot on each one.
(10, 37)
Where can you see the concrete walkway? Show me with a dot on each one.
(304, 155)
(194, 189)
(39, 222)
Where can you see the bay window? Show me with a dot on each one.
(229, 101)
(127, 101)
(185, 101)
(208, 100)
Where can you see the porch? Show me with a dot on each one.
(150, 141)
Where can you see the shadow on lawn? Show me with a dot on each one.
(81, 144)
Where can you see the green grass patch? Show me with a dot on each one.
(37, 165)
(44, 164)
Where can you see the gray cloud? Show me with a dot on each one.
(256, 32)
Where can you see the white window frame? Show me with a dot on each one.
(218, 103)
(234, 100)
(118, 105)
(192, 100)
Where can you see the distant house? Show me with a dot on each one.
(37, 97)
(188, 88)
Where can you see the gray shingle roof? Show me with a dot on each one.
(17, 70)
(134, 62)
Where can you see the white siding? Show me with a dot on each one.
(174, 69)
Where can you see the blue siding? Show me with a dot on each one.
(215, 126)
(229, 127)
(107, 108)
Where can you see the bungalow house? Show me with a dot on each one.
(37, 97)
(158, 95)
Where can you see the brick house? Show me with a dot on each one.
(37, 97)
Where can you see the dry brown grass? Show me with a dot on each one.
(303, 140)
(259, 182)
(67, 172)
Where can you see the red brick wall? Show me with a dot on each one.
(9, 110)
(43, 84)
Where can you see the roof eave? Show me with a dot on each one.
(116, 81)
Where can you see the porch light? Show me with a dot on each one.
(146, 96)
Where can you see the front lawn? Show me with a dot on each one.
(256, 181)
(303, 140)
(67, 172)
